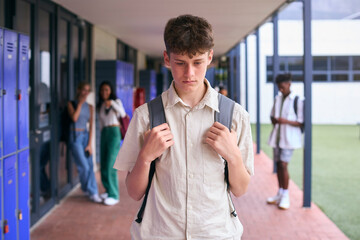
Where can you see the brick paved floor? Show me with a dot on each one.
(75, 218)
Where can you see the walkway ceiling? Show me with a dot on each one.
(140, 23)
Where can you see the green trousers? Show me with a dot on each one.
(109, 148)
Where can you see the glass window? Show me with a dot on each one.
(320, 63)
(339, 63)
(339, 77)
(2, 13)
(269, 78)
(356, 63)
(75, 54)
(295, 63)
(282, 63)
(269, 63)
(320, 77)
(297, 78)
(23, 16)
(357, 77)
(121, 51)
(62, 95)
(44, 102)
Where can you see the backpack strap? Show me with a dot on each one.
(157, 117)
(225, 116)
(296, 104)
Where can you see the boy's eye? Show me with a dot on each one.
(179, 63)
(197, 63)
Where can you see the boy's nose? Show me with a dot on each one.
(189, 71)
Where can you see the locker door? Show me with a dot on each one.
(23, 94)
(9, 176)
(23, 195)
(1, 92)
(9, 98)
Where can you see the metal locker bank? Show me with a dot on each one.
(14, 136)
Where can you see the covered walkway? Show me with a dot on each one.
(78, 219)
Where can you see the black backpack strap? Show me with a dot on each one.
(225, 116)
(296, 104)
(157, 117)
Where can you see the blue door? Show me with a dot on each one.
(9, 176)
(1, 92)
(23, 94)
(9, 97)
(23, 195)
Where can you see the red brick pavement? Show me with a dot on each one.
(78, 219)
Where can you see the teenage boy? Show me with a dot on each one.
(188, 197)
(285, 136)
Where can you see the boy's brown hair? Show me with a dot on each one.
(187, 34)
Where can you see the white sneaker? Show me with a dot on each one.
(274, 200)
(95, 198)
(110, 201)
(284, 202)
(104, 195)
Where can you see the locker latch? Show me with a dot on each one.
(2, 92)
(19, 94)
(20, 215)
(6, 227)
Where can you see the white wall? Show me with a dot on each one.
(333, 102)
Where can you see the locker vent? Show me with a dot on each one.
(10, 47)
(24, 49)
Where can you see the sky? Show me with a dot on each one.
(324, 9)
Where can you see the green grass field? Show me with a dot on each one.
(335, 172)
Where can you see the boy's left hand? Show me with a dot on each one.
(222, 140)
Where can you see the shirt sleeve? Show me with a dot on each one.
(118, 107)
(300, 110)
(241, 122)
(129, 151)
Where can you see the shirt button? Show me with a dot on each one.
(190, 175)
(190, 207)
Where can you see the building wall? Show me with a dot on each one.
(332, 102)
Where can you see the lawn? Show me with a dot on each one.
(335, 172)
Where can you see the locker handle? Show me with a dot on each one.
(20, 215)
(6, 227)
(4, 92)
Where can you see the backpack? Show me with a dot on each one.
(157, 117)
(302, 127)
(66, 123)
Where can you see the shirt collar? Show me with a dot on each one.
(210, 98)
(292, 95)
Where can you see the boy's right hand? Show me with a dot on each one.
(156, 141)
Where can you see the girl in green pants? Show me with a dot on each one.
(110, 109)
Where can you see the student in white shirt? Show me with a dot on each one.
(188, 197)
(110, 109)
(285, 136)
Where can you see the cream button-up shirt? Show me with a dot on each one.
(188, 197)
(290, 136)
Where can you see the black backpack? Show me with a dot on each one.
(157, 117)
(66, 123)
(302, 127)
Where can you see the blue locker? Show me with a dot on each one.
(23, 195)
(9, 176)
(9, 98)
(1, 91)
(23, 94)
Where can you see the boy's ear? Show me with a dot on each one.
(166, 59)
(211, 54)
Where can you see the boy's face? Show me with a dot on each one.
(188, 73)
(284, 88)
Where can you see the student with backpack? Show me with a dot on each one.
(81, 113)
(176, 155)
(287, 116)
(110, 109)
